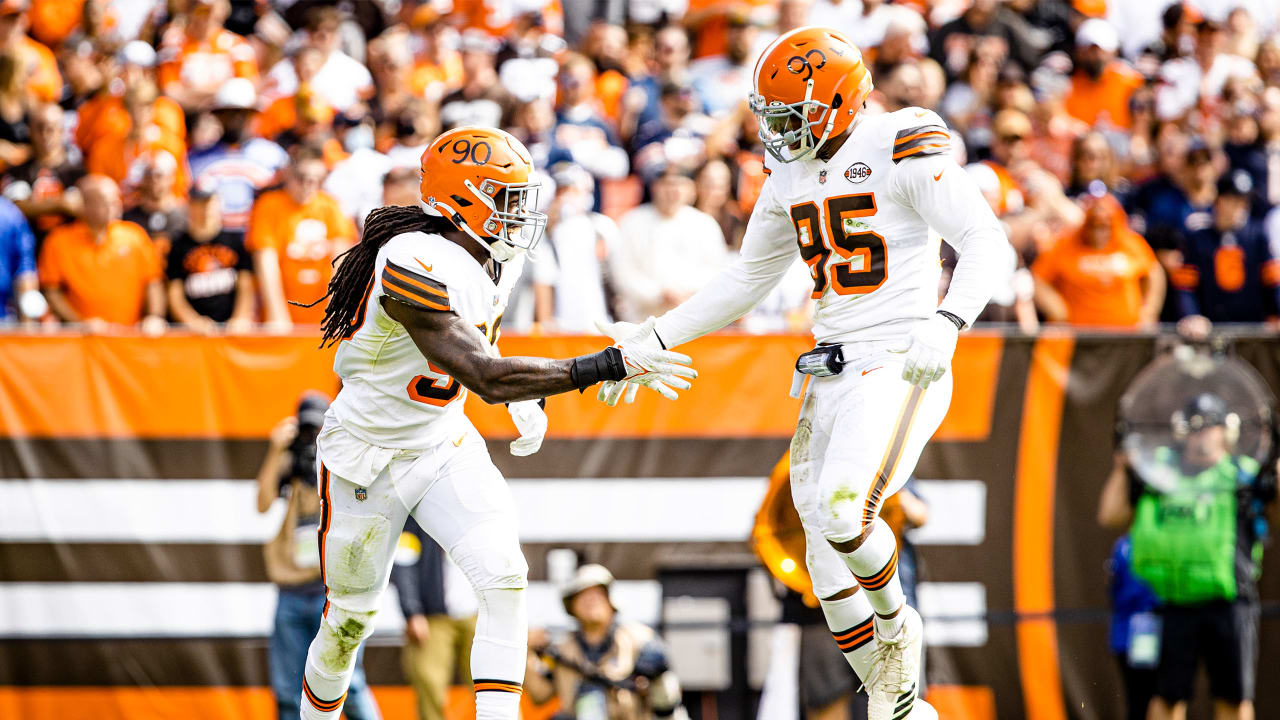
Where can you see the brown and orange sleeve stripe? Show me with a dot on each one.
(922, 140)
(487, 685)
(414, 289)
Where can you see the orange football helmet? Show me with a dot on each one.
(809, 86)
(482, 180)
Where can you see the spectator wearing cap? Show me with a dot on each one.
(669, 249)
(1228, 273)
(17, 266)
(157, 208)
(104, 116)
(341, 80)
(481, 100)
(34, 64)
(723, 80)
(199, 56)
(580, 125)
(294, 234)
(1101, 85)
(238, 165)
(569, 280)
(1102, 275)
(595, 668)
(44, 187)
(210, 271)
(677, 136)
(124, 158)
(103, 271)
(1247, 148)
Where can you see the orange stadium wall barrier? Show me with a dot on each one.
(131, 577)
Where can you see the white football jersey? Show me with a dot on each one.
(391, 396)
(861, 221)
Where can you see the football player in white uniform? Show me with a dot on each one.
(855, 196)
(414, 308)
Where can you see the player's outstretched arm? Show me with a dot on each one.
(446, 340)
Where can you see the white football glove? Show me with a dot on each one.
(633, 335)
(933, 342)
(647, 363)
(531, 421)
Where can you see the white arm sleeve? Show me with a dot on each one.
(768, 249)
(945, 196)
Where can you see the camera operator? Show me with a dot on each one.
(292, 559)
(1197, 522)
(606, 669)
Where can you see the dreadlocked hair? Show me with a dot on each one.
(354, 274)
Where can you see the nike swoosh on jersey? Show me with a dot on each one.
(922, 114)
(939, 175)
(424, 265)
(864, 372)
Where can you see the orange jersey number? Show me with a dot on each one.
(843, 239)
(439, 390)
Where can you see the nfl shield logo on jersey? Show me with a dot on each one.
(822, 178)
(857, 172)
(362, 494)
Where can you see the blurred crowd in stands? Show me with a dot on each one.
(201, 162)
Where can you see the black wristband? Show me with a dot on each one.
(598, 367)
(959, 322)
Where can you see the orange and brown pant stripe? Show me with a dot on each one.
(487, 685)
(321, 705)
(856, 636)
(892, 454)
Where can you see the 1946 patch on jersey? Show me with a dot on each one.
(857, 173)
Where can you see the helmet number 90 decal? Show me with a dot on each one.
(464, 150)
(805, 63)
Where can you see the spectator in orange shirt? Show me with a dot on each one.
(103, 271)
(294, 234)
(104, 115)
(1102, 275)
(438, 67)
(283, 113)
(1101, 85)
(198, 58)
(123, 158)
(36, 62)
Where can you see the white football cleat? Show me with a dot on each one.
(895, 671)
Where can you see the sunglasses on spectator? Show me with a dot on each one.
(1012, 138)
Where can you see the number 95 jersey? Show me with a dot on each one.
(857, 223)
(391, 395)
(861, 222)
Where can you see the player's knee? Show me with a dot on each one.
(490, 558)
(341, 633)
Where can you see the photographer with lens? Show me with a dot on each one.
(606, 669)
(292, 559)
(1195, 511)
